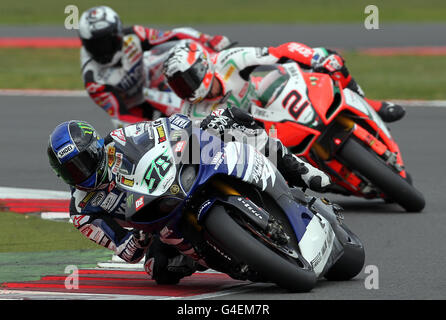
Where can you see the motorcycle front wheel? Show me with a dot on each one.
(369, 165)
(244, 246)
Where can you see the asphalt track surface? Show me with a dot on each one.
(407, 248)
(340, 35)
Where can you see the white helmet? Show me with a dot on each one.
(100, 30)
(189, 71)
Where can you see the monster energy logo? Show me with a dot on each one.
(157, 171)
(85, 127)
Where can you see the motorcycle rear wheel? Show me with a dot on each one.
(244, 246)
(369, 165)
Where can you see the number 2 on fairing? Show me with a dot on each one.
(291, 102)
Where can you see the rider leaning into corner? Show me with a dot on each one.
(112, 61)
(207, 81)
(89, 165)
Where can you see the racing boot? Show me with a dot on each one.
(165, 264)
(301, 174)
(388, 111)
(391, 112)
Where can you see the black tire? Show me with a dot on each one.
(369, 165)
(352, 260)
(243, 246)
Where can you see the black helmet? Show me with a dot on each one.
(100, 30)
(76, 153)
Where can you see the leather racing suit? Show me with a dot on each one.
(121, 89)
(233, 67)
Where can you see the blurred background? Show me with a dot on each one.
(335, 24)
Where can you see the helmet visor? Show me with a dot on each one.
(103, 49)
(82, 166)
(185, 83)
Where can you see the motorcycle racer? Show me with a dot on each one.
(112, 61)
(206, 82)
(90, 165)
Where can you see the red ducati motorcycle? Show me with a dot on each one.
(335, 130)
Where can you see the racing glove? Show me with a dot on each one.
(142, 239)
(334, 65)
(234, 124)
(165, 264)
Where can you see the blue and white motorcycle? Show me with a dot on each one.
(226, 206)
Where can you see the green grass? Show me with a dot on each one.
(230, 11)
(28, 233)
(394, 77)
(40, 68)
(399, 77)
(31, 248)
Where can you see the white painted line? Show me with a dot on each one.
(121, 266)
(23, 294)
(24, 193)
(421, 103)
(55, 215)
(235, 289)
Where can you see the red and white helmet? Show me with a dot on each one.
(189, 71)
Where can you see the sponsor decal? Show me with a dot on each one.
(243, 91)
(148, 267)
(127, 182)
(111, 186)
(109, 201)
(204, 205)
(79, 220)
(97, 200)
(119, 135)
(228, 73)
(86, 231)
(250, 208)
(218, 160)
(139, 203)
(257, 170)
(93, 87)
(118, 163)
(179, 121)
(303, 50)
(229, 54)
(128, 41)
(129, 201)
(111, 156)
(85, 127)
(324, 248)
(86, 199)
(65, 151)
(161, 134)
(140, 32)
